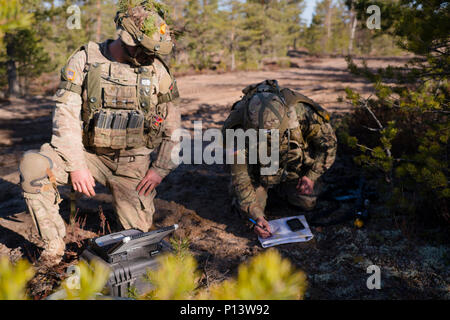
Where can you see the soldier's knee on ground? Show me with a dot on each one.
(34, 169)
(41, 196)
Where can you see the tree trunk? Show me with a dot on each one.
(327, 44)
(328, 23)
(352, 33)
(233, 57)
(13, 79)
(99, 20)
(11, 69)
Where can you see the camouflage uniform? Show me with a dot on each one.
(119, 167)
(312, 151)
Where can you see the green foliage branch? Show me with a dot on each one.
(403, 132)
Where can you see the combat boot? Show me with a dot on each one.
(53, 252)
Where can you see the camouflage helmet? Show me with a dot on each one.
(265, 111)
(141, 23)
(267, 108)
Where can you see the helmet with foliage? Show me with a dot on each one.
(141, 23)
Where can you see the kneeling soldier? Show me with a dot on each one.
(114, 107)
(307, 148)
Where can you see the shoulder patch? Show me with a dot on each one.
(70, 74)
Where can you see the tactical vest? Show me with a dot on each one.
(292, 145)
(122, 105)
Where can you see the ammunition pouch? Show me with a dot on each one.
(135, 130)
(102, 132)
(118, 129)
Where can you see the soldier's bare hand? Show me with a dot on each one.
(265, 231)
(150, 182)
(83, 182)
(305, 186)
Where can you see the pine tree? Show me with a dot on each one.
(177, 24)
(316, 33)
(201, 36)
(328, 30)
(26, 50)
(291, 17)
(12, 18)
(231, 30)
(410, 142)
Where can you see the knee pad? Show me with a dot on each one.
(33, 168)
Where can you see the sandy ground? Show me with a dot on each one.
(196, 197)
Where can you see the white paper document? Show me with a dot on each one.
(281, 233)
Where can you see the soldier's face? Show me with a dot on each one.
(140, 54)
(132, 50)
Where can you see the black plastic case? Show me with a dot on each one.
(128, 260)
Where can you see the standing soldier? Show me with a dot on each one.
(307, 148)
(114, 107)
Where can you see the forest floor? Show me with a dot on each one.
(414, 263)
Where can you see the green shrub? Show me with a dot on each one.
(92, 279)
(267, 276)
(409, 148)
(176, 279)
(89, 280)
(14, 278)
(403, 131)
